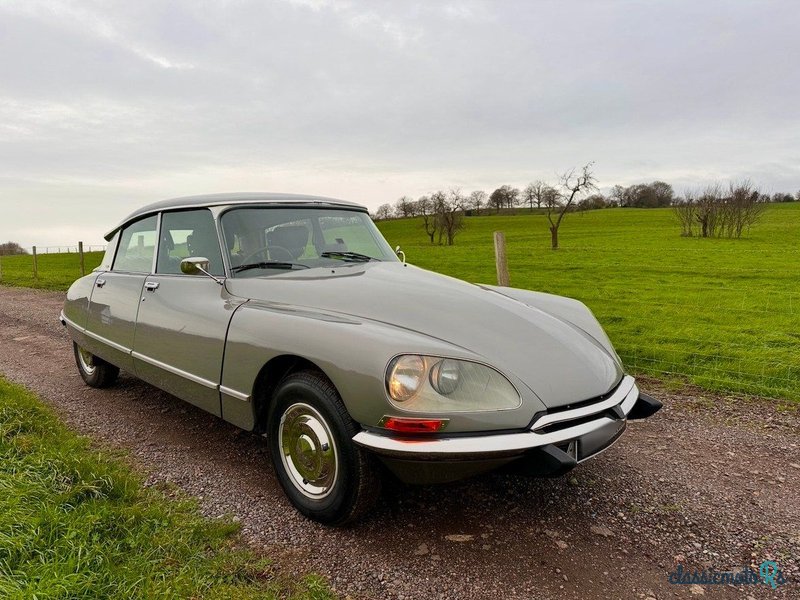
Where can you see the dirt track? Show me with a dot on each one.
(708, 482)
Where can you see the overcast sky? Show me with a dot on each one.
(106, 106)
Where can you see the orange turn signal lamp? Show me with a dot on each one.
(410, 425)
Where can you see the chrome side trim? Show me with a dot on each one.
(70, 323)
(105, 341)
(157, 363)
(234, 394)
(175, 370)
(621, 394)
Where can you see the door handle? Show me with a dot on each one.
(100, 282)
(151, 286)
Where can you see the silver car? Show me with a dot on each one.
(291, 316)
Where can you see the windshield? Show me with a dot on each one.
(263, 240)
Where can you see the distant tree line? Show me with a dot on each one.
(11, 248)
(540, 195)
(714, 211)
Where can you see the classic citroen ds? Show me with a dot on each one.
(292, 317)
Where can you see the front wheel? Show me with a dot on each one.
(309, 431)
(94, 371)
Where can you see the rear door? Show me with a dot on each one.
(183, 319)
(115, 299)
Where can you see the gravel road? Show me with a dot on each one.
(708, 482)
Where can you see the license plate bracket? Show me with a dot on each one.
(572, 449)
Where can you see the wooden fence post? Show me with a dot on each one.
(35, 268)
(80, 251)
(500, 258)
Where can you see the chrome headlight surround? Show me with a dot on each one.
(429, 384)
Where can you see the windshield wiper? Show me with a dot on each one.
(354, 256)
(271, 264)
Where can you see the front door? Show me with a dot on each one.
(183, 319)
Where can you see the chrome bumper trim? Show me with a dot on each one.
(492, 446)
(619, 395)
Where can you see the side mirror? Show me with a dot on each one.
(400, 254)
(194, 265)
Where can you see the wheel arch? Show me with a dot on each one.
(269, 377)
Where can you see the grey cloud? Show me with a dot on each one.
(372, 100)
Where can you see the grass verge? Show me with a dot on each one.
(76, 522)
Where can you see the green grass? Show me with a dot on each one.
(56, 271)
(724, 314)
(77, 523)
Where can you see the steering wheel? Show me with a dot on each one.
(269, 249)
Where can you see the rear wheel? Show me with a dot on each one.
(94, 371)
(325, 475)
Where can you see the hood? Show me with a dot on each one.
(557, 360)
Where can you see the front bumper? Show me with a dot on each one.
(560, 438)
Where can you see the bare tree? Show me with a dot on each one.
(384, 212)
(451, 214)
(504, 196)
(439, 202)
(593, 202)
(743, 208)
(707, 209)
(571, 185)
(718, 213)
(11, 248)
(427, 210)
(535, 192)
(684, 212)
(551, 197)
(477, 199)
(620, 195)
(404, 207)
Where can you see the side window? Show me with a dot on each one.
(188, 233)
(137, 245)
(108, 257)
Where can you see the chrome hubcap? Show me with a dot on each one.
(308, 451)
(86, 359)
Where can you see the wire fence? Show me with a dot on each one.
(65, 249)
(59, 262)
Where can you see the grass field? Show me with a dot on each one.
(56, 271)
(77, 523)
(724, 314)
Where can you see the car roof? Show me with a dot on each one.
(232, 198)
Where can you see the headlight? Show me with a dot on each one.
(445, 376)
(405, 376)
(432, 384)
